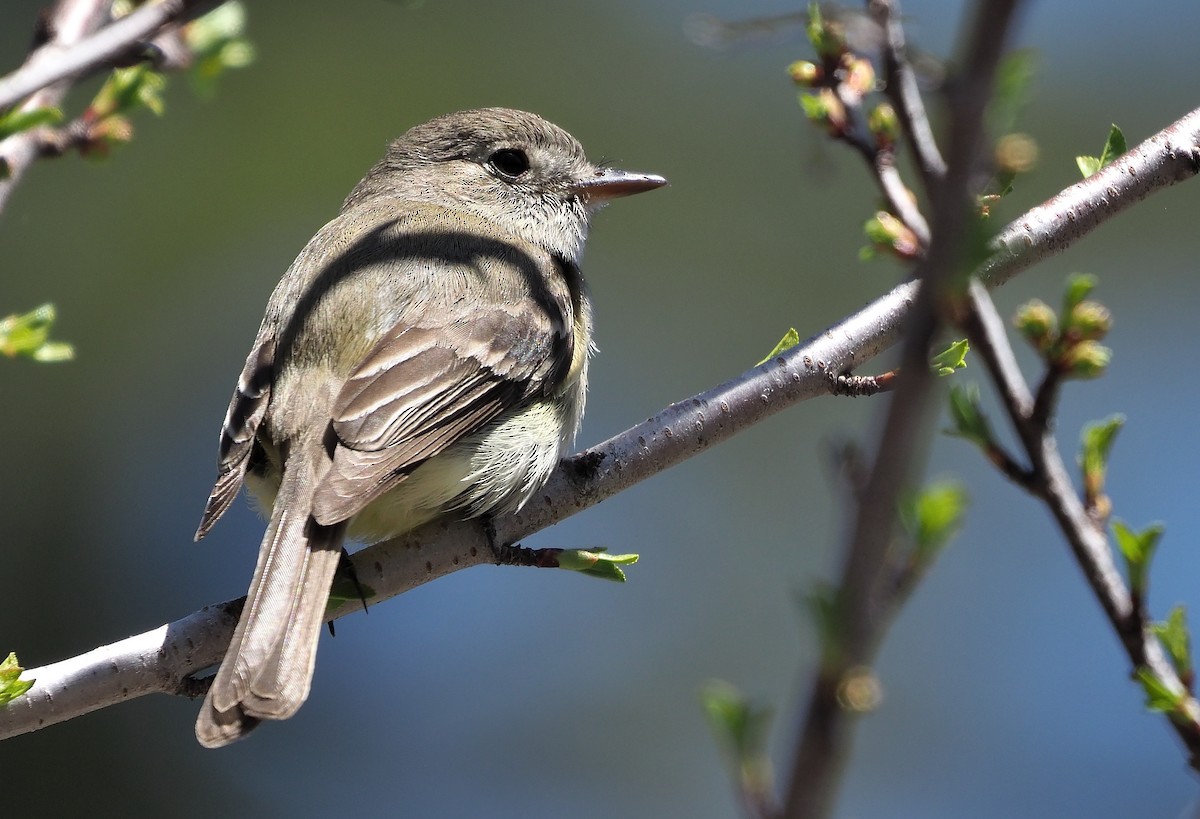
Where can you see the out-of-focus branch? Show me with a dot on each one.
(69, 23)
(901, 86)
(826, 731)
(79, 42)
(62, 58)
(670, 437)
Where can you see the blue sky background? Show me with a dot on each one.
(1005, 694)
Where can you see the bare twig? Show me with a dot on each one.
(901, 86)
(826, 732)
(670, 437)
(882, 162)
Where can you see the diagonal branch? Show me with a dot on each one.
(901, 84)
(1052, 485)
(159, 661)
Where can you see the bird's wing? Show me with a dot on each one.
(430, 381)
(245, 412)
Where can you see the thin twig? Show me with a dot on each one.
(901, 86)
(882, 162)
(1088, 542)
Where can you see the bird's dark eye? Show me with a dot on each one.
(509, 162)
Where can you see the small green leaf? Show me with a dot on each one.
(1087, 165)
(1158, 696)
(790, 339)
(1114, 146)
(596, 563)
(933, 516)
(741, 728)
(1138, 550)
(1014, 76)
(11, 686)
(127, 89)
(1095, 445)
(28, 335)
(1079, 286)
(966, 412)
(821, 600)
(16, 120)
(952, 358)
(1176, 639)
(826, 37)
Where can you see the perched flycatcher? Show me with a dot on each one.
(425, 355)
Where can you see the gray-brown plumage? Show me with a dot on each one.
(426, 354)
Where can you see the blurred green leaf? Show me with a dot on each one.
(16, 120)
(825, 35)
(1158, 696)
(11, 686)
(814, 107)
(1014, 79)
(741, 729)
(1095, 445)
(933, 516)
(952, 358)
(790, 339)
(1173, 633)
(1138, 550)
(966, 412)
(29, 335)
(218, 45)
(1079, 286)
(127, 89)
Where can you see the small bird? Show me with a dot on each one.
(425, 355)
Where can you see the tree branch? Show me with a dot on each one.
(160, 660)
(77, 45)
(1051, 484)
(861, 611)
(901, 86)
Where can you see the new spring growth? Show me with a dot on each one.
(884, 125)
(806, 74)
(1035, 320)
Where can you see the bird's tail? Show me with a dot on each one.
(268, 668)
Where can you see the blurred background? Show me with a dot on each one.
(1004, 692)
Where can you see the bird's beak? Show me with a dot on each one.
(607, 183)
